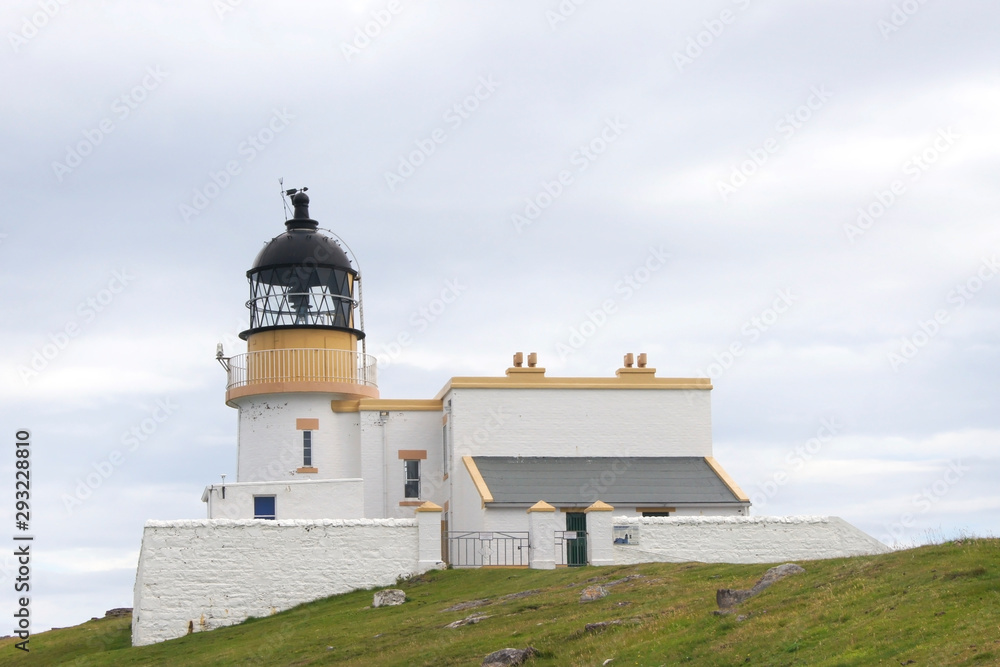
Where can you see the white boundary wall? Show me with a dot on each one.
(758, 539)
(206, 574)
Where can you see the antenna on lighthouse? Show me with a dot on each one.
(220, 355)
(284, 201)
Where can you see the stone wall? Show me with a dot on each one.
(759, 539)
(200, 575)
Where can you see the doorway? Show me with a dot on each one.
(576, 547)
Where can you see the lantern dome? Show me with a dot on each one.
(302, 278)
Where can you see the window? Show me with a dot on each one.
(656, 513)
(307, 449)
(411, 472)
(447, 448)
(263, 507)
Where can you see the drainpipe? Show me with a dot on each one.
(383, 419)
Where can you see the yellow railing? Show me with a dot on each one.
(302, 365)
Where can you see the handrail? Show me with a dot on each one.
(301, 365)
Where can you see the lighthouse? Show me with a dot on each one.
(305, 348)
(338, 488)
(316, 440)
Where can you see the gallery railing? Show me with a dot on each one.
(301, 365)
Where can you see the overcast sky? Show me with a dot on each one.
(798, 200)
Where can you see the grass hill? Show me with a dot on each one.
(933, 605)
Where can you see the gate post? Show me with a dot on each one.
(600, 529)
(429, 537)
(541, 536)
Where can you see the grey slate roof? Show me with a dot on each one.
(664, 480)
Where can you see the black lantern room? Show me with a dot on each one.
(302, 278)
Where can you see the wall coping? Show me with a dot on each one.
(537, 380)
(702, 520)
(541, 506)
(282, 523)
(599, 506)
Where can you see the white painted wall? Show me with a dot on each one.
(372, 458)
(381, 439)
(504, 519)
(270, 447)
(742, 539)
(507, 519)
(542, 527)
(580, 422)
(215, 573)
(294, 499)
(467, 515)
(466, 510)
(421, 430)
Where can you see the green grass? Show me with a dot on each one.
(934, 605)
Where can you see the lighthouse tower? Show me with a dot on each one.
(296, 458)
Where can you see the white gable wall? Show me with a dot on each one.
(580, 422)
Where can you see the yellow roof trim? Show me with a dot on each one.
(477, 479)
(726, 479)
(388, 404)
(625, 381)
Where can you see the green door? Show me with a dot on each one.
(576, 549)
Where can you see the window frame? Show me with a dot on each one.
(274, 505)
(307, 456)
(409, 480)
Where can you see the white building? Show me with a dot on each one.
(339, 489)
(316, 441)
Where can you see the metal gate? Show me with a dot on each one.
(575, 544)
(571, 548)
(489, 549)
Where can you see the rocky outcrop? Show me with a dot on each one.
(468, 620)
(509, 657)
(591, 593)
(727, 598)
(390, 597)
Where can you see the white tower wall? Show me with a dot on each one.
(270, 443)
